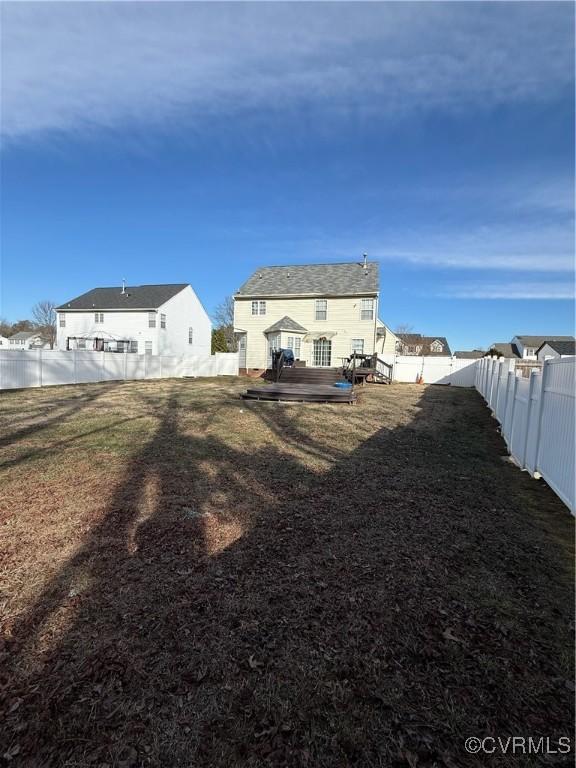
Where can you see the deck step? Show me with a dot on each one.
(311, 375)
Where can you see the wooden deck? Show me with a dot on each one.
(302, 393)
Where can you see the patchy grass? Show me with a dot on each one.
(189, 579)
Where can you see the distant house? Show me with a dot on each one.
(522, 347)
(528, 345)
(551, 349)
(3, 341)
(26, 340)
(427, 346)
(473, 354)
(322, 312)
(144, 319)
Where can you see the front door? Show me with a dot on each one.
(322, 355)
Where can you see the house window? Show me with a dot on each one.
(529, 351)
(321, 309)
(290, 343)
(358, 346)
(367, 309)
(151, 319)
(148, 347)
(296, 350)
(437, 346)
(190, 335)
(258, 307)
(81, 343)
(62, 320)
(162, 321)
(99, 317)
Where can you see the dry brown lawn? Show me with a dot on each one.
(189, 579)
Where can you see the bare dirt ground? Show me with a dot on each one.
(193, 580)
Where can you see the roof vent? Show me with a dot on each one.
(365, 264)
(123, 286)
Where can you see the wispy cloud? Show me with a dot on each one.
(533, 248)
(527, 291)
(77, 67)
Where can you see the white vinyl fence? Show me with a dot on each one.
(434, 370)
(42, 367)
(537, 417)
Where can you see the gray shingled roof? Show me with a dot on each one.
(472, 354)
(562, 347)
(313, 279)
(286, 324)
(136, 297)
(536, 341)
(503, 349)
(23, 335)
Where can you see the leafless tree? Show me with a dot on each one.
(44, 314)
(223, 317)
(404, 328)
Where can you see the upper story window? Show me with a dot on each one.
(151, 319)
(258, 307)
(437, 346)
(81, 343)
(162, 321)
(147, 347)
(367, 309)
(99, 317)
(62, 319)
(529, 351)
(190, 335)
(134, 345)
(321, 309)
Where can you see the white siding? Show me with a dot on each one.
(343, 319)
(182, 311)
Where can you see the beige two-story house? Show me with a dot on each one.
(322, 312)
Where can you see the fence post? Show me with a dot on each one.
(531, 385)
(545, 369)
(75, 367)
(512, 411)
(125, 365)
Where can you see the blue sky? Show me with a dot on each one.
(193, 143)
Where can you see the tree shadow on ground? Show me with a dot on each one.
(234, 607)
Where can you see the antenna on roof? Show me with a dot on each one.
(365, 264)
(123, 285)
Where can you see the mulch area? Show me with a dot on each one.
(194, 580)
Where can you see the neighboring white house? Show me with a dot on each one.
(3, 341)
(144, 319)
(322, 312)
(556, 348)
(25, 340)
(527, 346)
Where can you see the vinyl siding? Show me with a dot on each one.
(343, 319)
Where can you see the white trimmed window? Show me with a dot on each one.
(437, 346)
(321, 309)
(151, 319)
(367, 309)
(358, 346)
(148, 347)
(190, 335)
(62, 319)
(81, 343)
(99, 317)
(134, 346)
(258, 307)
(162, 321)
